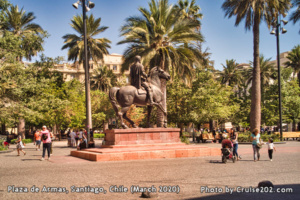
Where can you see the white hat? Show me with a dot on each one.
(44, 126)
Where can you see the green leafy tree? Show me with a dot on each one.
(211, 100)
(253, 12)
(291, 102)
(21, 24)
(101, 108)
(179, 103)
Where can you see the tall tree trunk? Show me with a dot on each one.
(3, 128)
(21, 128)
(255, 114)
(294, 125)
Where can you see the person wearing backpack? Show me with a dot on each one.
(46, 138)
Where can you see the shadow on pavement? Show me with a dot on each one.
(30, 159)
(286, 192)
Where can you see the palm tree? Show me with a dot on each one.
(294, 61)
(296, 14)
(231, 74)
(189, 9)
(162, 39)
(254, 12)
(103, 79)
(97, 47)
(20, 24)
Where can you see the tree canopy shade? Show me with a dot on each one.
(97, 47)
(254, 12)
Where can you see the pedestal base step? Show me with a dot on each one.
(146, 152)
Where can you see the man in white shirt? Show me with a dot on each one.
(73, 141)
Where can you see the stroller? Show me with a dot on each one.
(226, 150)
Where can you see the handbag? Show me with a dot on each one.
(44, 137)
(259, 145)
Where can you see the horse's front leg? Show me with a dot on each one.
(122, 114)
(129, 120)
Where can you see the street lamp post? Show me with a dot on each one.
(86, 8)
(277, 27)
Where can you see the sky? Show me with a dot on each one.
(222, 39)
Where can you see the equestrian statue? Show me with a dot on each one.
(143, 91)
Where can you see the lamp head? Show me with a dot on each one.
(283, 31)
(273, 32)
(91, 4)
(284, 22)
(87, 8)
(75, 5)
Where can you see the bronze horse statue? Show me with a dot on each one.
(128, 95)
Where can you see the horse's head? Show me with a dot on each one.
(156, 72)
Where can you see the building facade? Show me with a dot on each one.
(76, 70)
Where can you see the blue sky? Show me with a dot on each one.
(223, 39)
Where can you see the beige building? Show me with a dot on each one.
(74, 70)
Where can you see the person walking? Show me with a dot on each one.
(234, 139)
(256, 142)
(73, 141)
(271, 147)
(37, 139)
(46, 138)
(20, 146)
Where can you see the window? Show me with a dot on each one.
(72, 76)
(115, 68)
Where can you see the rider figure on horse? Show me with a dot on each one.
(139, 78)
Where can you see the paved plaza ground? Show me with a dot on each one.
(186, 175)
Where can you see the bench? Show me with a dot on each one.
(288, 135)
(207, 136)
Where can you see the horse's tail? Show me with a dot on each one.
(112, 97)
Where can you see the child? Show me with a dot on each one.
(270, 148)
(20, 146)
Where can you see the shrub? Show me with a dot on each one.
(2, 147)
(99, 135)
(276, 138)
(185, 137)
(244, 138)
(14, 141)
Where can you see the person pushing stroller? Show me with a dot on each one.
(227, 149)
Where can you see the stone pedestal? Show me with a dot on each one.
(141, 136)
(144, 143)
